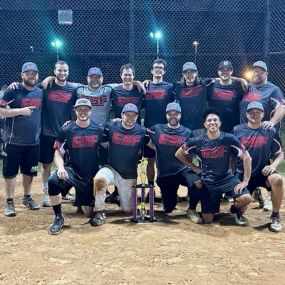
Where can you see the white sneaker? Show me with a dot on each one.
(267, 205)
(46, 199)
(194, 217)
(275, 224)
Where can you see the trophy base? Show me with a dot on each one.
(143, 219)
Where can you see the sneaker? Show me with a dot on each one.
(10, 209)
(268, 205)
(46, 200)
(275, 224)
(240, 220)
(228, 198)
(69, 197)
(30, 203)
(98, 219)
(257, 196)
(194, 217)
(57, 225)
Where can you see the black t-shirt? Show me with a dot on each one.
(167, 141)
(214, 154)
(124, 148)
(57, 107)
(261, 145)
(121, 97)
(155, 102)
(82, 145)
(193, 102)
(226, 99)
(23, 130)
(266, 94)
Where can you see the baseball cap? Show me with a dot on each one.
(261, 64)
(130, 108)
(255, 105)
(225, 63)
(82, 102)
(211, 110)
(189, 66)
(29, 66)
(95, 71)
(173, 107)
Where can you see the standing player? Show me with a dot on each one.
(158, 94)
(99, 96)
(22, 108)
(214, 149)
(167, 138)
(59, 99)
(125, 140)
(191, 93)
(225, 95)
(266, 155)
(82, 139)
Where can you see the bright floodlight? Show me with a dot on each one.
(57, 43)
(156, 35)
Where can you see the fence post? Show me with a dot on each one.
(131, 32)
(266, 46)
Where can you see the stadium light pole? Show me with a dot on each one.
(195, 46)
(157, 35)
(57, 44)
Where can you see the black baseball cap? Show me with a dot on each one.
(225, 64)
(211, 110)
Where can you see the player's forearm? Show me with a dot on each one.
(8, 113)
(246, 168)
(187, 160)
(58, 159)
(278, 160)
(242, 81)
(278, 114)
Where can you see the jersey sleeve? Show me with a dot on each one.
(106, 133)
(190, 145)
(236, 147)
(7, 99)
(60, 139)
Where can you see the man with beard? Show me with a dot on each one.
(22, 107)
(266, 154)
(59, 99)
(226, 94)
(125, 140)
(215, 149)
(166, 139)
(82, 138)
(158, 94)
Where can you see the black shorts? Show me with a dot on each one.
(211, 196)
(47, 149)
(148, 152)
(83, 188)
(258, 181)
(24, 157)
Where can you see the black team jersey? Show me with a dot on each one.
(167, 141)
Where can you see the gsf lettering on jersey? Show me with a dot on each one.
(191, 91)
(216, 152)
(254, 141)
(129, 140)
(96, 101)
(59, 96)
(251, 96)
(224, 95)
(157, 94)
(84, 141)
(165, 139)
(122, 101)
(28, 102)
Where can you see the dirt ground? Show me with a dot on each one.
(171, 251)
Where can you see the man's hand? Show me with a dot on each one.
(240, 186)
(47, 82)
(140, 86)
(268, 169)
(62, 174)
(267, 125)
(27, 111)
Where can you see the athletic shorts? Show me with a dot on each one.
(148, 152)
(83, 188)
(259, 181)
(24, 157)
(47, 149)
(211, 194)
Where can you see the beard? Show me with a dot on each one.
(30, 82)
(173, 122)
(61, 78)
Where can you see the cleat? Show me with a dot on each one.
(10, 209)
(30, 203)
(275, 224)
(98, 219)
(57, 225)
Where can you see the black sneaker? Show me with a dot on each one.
(10, 209)
(57, 225)
(30, 203)
(98, 219)
(114, 198)
(240, 220)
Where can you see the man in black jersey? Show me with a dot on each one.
(125, 140)
(166, 139)
(82, 139)
(266, 154)
(22, 107)
(215, 149)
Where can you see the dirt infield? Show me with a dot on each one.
(170, 251)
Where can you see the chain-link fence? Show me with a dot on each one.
(110, 33)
